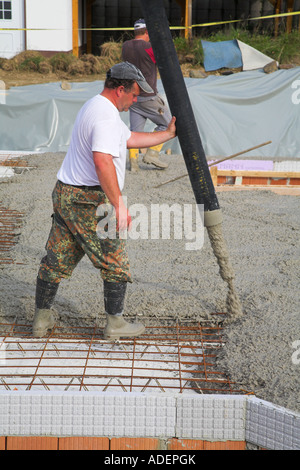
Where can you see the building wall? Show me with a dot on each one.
(11, 16)
(49, 14)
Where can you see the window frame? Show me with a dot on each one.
(5, 10)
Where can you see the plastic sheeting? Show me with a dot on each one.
(232, 54)
(252, 58)
(221, 54)
(233, 113)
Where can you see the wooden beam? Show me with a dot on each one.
(188, 19)
(186, 16)
(277, 11)
(260, 174)
(214, 175)
(289, 20)
(75, 24)
(25, 27)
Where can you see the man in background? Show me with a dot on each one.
(138, 51)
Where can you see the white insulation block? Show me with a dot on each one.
(272, 427)
(128, 414)
(211, 417)
(86, 414)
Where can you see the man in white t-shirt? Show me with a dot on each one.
(89, 187)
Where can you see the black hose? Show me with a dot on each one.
(179, 102)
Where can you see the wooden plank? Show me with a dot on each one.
(214, 175)
(75, 24)
(259, 174)
(186, 16)
(289, 20)
(277, 11)
(188, 19)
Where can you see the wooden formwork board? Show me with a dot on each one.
(258, 178)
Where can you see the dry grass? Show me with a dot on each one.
(31, 67)
(64, 63)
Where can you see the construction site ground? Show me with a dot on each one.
(172, 286)
(190, 346)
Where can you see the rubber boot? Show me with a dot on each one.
(133, 160)
(116, 326)
(43, 322)
(151, 157)
(44, 319)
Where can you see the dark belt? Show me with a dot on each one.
(85, 188)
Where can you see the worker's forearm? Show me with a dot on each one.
(150, 139)
(147, 139)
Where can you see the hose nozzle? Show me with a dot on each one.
(212, 218)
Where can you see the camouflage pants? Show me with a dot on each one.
(74, 234)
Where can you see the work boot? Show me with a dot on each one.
(133, 160)
(43, 322)
(117, 327)
(44, 319)
(151, 157)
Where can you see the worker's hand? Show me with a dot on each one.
(123, 217)
(172, 128)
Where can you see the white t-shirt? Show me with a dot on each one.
(98, 127)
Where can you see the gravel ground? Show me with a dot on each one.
(261, 230)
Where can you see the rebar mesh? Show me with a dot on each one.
(180, 358)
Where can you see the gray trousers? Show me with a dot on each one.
(153, 108)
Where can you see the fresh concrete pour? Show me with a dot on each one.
(218, 244)
(261, 230)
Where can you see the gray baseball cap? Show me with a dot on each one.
(128, 71)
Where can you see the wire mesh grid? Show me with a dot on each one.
(181, 357)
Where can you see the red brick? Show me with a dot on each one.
(185, 444)
(83, 443)
(136, 443)
(32, 443)
(226, 445)
(2, 443)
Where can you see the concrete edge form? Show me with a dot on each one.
(272, 427)
(213, 417)
(86, 414)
